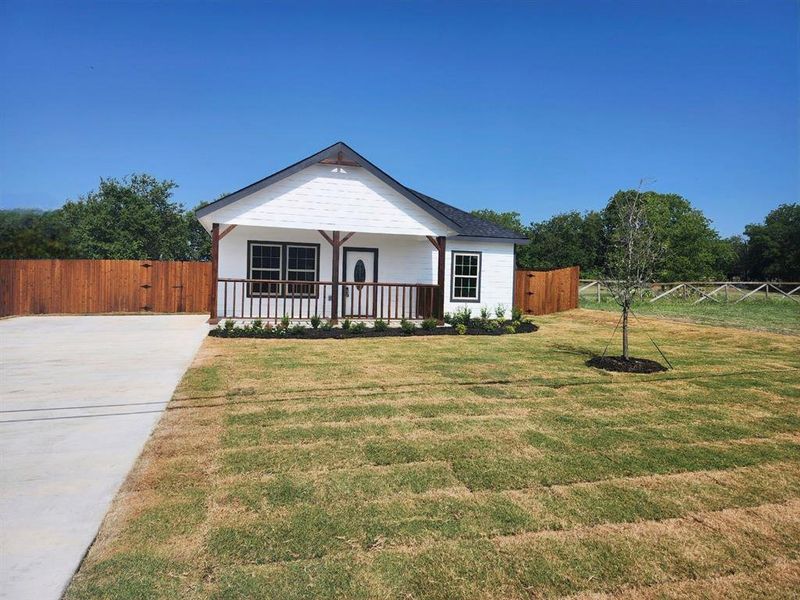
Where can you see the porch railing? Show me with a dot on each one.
(271, 300)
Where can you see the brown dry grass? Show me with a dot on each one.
(466, 468)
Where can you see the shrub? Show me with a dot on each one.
(461, 329)
(326, 326)
(358, 327)
(500, 312)
(516, 323)
(516, 313)
(448, 318)
(489, 324)
(380, 325)
(285, 321)
(315, 321)
(429, 324)
(510, 329)
(462, 315)
(407, 326)
(257, 325)
(297, 329)
(346, 324)
(229, 325)
(485, 313)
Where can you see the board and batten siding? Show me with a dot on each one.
(330, 197)
(401, 259)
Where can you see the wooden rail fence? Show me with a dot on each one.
(701, 291)
(544, 292)
(31, 287)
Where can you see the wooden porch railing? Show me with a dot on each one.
(271, 300)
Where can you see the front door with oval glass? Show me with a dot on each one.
(359, 267)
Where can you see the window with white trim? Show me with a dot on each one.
(283, 261)
(465, 276)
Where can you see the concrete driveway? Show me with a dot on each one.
(78, 398)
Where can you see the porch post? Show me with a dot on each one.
(441, 242)
(212, 296)
(335, 278)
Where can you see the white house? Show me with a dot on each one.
(362, 244)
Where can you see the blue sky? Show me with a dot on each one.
(539, 107)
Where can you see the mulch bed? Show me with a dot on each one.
(631, 365)
(339, 333)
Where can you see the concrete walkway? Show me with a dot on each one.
(78, 398)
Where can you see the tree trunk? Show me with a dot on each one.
(625, 353)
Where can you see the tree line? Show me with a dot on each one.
(693, 249)
(132, 218)
(136, 218)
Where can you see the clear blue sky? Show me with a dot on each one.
(538, 107)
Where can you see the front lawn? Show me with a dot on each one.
(458, 467)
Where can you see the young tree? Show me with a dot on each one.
(633, 253)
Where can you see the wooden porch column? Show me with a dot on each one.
(441, 244)
(212, 296)
(335, 244)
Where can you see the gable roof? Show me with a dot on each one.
(467, 225)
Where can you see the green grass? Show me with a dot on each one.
(780, 315)
(442, 468)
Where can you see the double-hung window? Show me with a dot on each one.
(283, 261)
(465, 283)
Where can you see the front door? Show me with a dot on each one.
(359, 266)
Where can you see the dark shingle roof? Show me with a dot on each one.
(470, 225)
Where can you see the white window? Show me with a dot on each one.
(465, 284)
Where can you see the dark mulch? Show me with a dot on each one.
(631, 365)
(339, 333)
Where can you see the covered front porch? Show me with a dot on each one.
(272, 273)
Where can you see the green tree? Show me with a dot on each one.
(692, 249)
(565, 240)
(773, 247)
(509, 220)
(132, 218)
(26, 233)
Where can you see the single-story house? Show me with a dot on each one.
(335, 236)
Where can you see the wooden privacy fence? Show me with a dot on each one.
(31, 287)
(544, 292)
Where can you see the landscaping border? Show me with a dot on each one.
(337, 333)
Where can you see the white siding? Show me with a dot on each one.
(330, 197)
(401, 259)
(497, 275)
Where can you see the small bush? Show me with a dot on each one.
(315, 321)
(462, 315)
(461, 329)
(500, 312)
(407, 326)
(485, 313)
(257, 325)
(326, 326)
(488, 324)
(429, 324)
(380, 325)
(346, 324)
(516, 313)
(285, 321)
(448, 318)
(229, 325)
(516, 323)
(510, 329)
(297, 329)
(358, 327)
